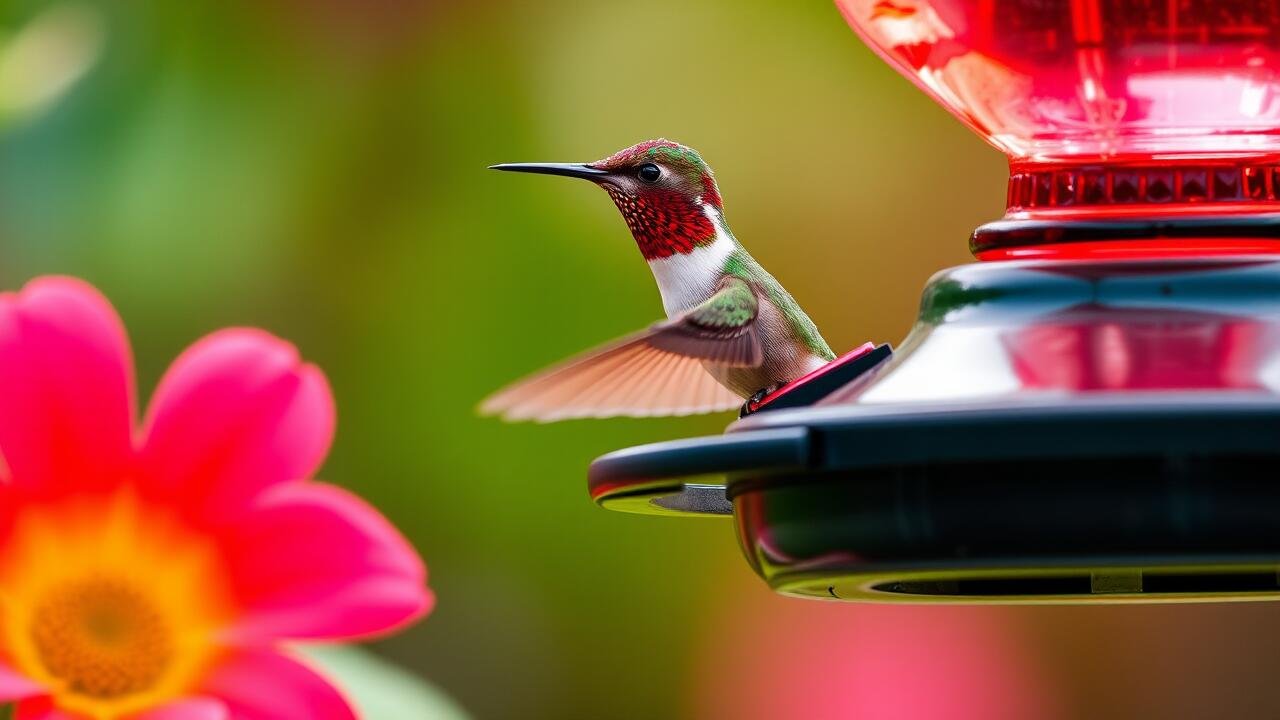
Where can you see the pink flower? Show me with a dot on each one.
(769, 657)
(154, 573)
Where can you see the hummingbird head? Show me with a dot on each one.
(665, 192)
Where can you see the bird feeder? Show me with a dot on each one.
(1090, 412)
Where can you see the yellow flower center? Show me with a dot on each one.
(101, 637)
(111, 604)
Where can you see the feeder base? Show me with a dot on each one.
(1049, 432)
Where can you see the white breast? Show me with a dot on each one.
(688, 279)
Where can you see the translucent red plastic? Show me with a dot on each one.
(1137, 249)
(1092, 79)
(1105, 108)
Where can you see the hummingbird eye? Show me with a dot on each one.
(649, 172)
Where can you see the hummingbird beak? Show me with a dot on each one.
(577, 170)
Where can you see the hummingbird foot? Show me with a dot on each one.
(753, 403)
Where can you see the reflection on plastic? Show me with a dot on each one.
(1057, 79)
(988, 332)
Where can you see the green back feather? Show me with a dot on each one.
(741, 265)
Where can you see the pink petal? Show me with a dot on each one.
(314, 561)
(187, 709)
(66, 387)
(236, 413)
(43, 708)
(264, 685)
(831, 660)
(16, 686)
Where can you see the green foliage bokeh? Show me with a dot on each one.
(318, 169)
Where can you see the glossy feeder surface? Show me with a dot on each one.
(1048, 432)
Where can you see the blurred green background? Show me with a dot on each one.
(317, 168)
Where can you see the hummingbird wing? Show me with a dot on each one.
(658, 371)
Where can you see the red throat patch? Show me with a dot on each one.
(710, 195)
(664, 223)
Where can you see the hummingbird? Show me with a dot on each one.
(731, 332)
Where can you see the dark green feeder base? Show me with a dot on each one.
(1147, 498)
(1048, 432)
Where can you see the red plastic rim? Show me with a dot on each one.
(1135, 249)
(854, 354)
